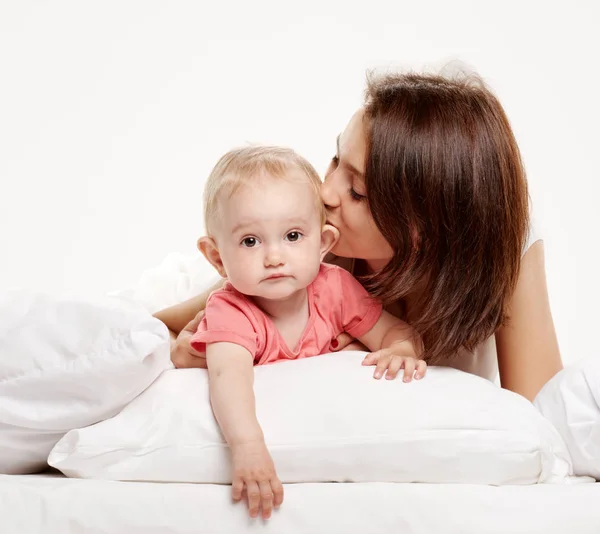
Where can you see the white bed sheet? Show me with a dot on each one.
(52, 504)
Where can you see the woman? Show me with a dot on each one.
(430, 197)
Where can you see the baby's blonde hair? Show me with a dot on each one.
(246, 165)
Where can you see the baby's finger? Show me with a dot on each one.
(371, 358)
(409, 369)
(421, 369)
(266, 498)
(393, 368)
(277, 488)
(237, 487)
(253, 497)
(381, 366)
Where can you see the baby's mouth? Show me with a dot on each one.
(276, 276)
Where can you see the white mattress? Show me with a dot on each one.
(51, 504)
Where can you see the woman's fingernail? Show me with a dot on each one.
(377, 374)
(335, 343)
(406, 379)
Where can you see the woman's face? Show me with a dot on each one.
(343, 193)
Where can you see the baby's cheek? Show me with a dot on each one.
(241, 278)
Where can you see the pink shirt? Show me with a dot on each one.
(336, 303)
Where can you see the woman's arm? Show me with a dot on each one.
(177, 317)
(528, 353)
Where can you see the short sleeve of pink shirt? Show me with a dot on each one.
(359, 311)
(228, 319)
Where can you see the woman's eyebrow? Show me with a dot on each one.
(350, 167)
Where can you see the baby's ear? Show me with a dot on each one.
(329, 236)
(208, 247)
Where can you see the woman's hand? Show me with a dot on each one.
(391, 361)
(183, 355)
(346, 342)
(254, 473)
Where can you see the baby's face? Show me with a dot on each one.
(269, 237)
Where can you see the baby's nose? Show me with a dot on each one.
(273, 257)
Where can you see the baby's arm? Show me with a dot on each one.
(394, 345)
(231, 378)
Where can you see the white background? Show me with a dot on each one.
(112, 114)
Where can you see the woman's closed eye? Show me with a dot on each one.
(356, 196)
(335, 161)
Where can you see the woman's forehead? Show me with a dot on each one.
(352, 143)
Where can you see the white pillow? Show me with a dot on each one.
(326, 419)
(65, 364)
(571, 400)
(178, 277)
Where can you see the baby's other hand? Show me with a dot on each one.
(388, 361)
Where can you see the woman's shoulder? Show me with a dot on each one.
(534, 234)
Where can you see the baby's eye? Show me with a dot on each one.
(249, 242)
(293, 236)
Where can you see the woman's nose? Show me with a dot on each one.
(329, 194)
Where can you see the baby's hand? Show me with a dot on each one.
(391, 361)
(254, 471)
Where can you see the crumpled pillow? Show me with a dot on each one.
(571, 401)
(67, 363)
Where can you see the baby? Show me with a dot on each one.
(267, 236)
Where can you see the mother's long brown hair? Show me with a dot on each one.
(447, 189)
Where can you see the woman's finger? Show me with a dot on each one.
(184, 356)
(192, 326)
(341, 342)
(409, 369)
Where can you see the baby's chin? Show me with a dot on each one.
(279, 290)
